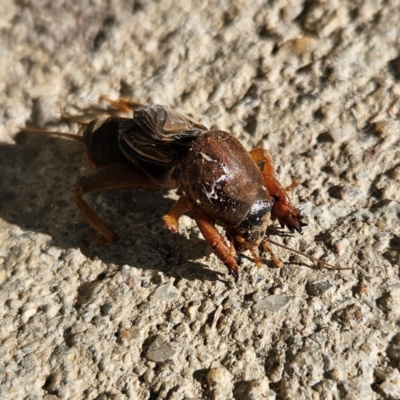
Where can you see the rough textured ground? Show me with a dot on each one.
(157, 316)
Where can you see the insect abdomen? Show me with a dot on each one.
(101, 141)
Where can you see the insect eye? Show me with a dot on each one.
(246, 235)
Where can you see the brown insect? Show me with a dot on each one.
(213, 173)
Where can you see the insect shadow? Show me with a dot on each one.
(36, 180)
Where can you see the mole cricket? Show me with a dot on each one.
(214, 175)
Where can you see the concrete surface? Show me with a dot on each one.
(157, 316)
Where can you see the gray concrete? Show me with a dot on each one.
(157, 316)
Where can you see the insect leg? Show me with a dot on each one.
(262, 155)
(171, 219)
(292, 185)
(216, 241)
(123, 105)
(109, 177)
(282, 210)
(274, 258)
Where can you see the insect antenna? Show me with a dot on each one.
(327, 265)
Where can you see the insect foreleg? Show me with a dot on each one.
(282, 210)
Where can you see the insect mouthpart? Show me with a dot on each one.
(242, 244)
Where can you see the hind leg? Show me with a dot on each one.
(110, 177)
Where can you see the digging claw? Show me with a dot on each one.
(290, 217)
